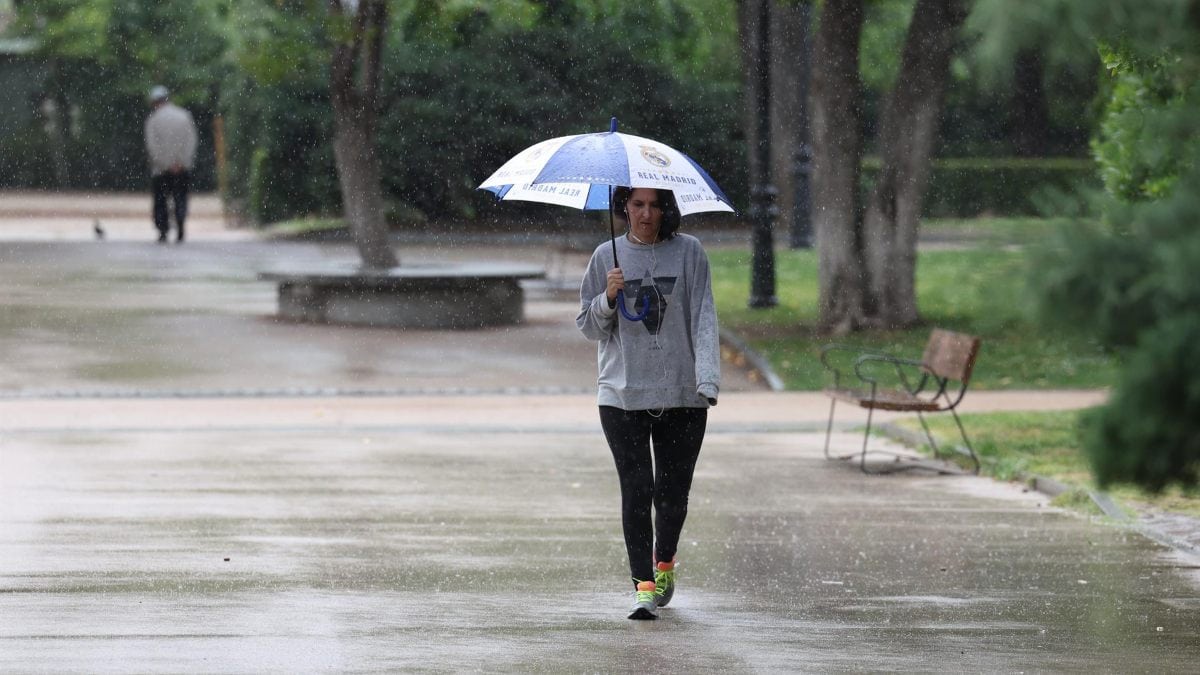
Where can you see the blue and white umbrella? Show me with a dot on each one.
(581, 171)
(578, 171)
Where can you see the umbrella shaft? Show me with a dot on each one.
(612, 234)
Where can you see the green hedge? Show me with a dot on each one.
(1004, 186)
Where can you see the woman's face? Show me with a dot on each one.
(644, 214)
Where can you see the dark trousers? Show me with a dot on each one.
(172, 186)
(655, 458)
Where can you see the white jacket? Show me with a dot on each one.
(170, 139)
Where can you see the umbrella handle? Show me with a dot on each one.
(612, 239)
(625, 311)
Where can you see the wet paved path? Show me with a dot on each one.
(176, 494)
(126, 316)
(298, 536)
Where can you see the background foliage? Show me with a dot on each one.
(1128, 276)
(468, 83)
(466, 86)
(101, 58)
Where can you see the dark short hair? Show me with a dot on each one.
(666, 200)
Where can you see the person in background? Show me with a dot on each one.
(171, 148)
(657, 379)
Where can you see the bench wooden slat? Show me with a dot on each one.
(885, 399)
(951, 355)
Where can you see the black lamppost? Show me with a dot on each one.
(801, 234)
(763, 211)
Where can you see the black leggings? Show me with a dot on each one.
(663, 483)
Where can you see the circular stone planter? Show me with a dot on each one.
(410, 296)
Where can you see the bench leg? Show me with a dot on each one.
(961, 430)
(829, 426)
(862, 462)
(937, 453)
(932, 443)
(829, 432)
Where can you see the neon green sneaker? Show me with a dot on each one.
(664, 582)
(644, 602)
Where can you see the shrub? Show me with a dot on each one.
(1147, 434)
(1088, 276)
(1132, 281)
(1138, 155)
(460, 113)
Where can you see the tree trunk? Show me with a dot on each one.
(784, 90)
(836, 105)
(362, 194)
(354, 87)
(1030, 131)
(908, 133)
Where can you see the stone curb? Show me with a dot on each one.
(753, 359)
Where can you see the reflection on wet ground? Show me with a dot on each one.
(118, 316)
(353, 549)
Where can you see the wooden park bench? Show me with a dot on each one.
(936, 383)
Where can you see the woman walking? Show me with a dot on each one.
(657, 377)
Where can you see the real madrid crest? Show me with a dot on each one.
(652, 155)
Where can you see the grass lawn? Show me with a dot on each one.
(979, 290)
(1012, 445)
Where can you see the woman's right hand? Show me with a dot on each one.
(616, 282)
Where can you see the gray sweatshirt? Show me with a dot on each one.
(673, 358)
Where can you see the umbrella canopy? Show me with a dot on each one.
(581, 171)
(578, 171)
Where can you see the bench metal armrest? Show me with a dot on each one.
(952, 403)
(838, 347)
(900, 367)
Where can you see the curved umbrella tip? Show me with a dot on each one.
(612, 126)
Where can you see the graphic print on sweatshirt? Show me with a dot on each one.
(643, 292)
